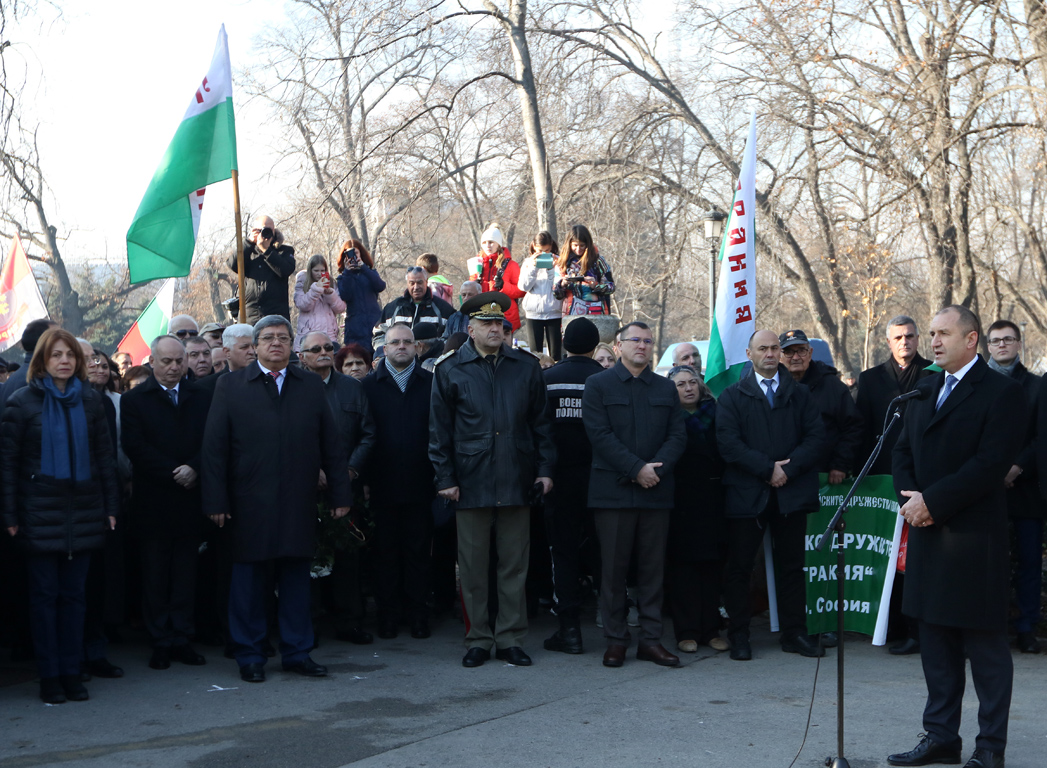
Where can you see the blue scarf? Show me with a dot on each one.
(62, 440)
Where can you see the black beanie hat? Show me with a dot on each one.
(581, 336)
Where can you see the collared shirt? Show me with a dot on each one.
(279, 379)
(401, 377)
(169, 390)
(963, 371)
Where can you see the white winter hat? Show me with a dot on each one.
(493, 234)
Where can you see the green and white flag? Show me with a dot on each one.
(162, 236)
(733, 322)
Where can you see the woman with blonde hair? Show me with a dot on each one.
(604, 355)
(60, 494)
(318, 305)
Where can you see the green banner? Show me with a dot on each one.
(871, 521)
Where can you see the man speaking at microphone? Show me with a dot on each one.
(950, 461)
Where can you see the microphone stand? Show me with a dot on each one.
(837, 524)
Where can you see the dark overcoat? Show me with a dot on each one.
(752, 437)
(877, 387)
(1024, 499)
(840, 417)
(488, 432)
(348, 401)
(632, 421)
(158, 437)
(262, 457)
(957, 570)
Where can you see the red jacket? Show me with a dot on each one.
(510, 278)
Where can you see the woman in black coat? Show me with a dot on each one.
(60, 494)
(697, 528)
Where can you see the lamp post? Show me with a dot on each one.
(713, 228)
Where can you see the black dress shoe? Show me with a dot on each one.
(741, 650)
(161, 658)
(420, 629)
(1027, 643)
(475, 657)
(51, 691)
(804, 645)
(102, 668)
(514, 655)
(356, 636)
(187, 655)
(74, 688)
(387, 630)
(983, 758)
(906, 647)
(830, 640)
(252, 673)
(565, 640)
(307, 668)
(928, 751)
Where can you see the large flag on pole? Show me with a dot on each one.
(733, 322)
(162, 236)
(150, 324)
(20, 299)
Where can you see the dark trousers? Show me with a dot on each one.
(57, 604)
(248, 627)
(1028, 576)
(621, 532)
(213, 571)
(444, 563)
(744, 537)
(347, 592)
(14, 597)
(694, 597)
(169, 590)
(548, 331)
(565, 526)
(403, 540)
(96, 644)
(942, 651)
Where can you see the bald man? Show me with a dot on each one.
(770, 433)
(268, 264)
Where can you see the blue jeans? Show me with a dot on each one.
(56, 610)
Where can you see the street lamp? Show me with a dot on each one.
(713, 228)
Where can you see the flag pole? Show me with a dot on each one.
(239, 244)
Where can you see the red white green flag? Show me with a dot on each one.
(162, 237)
(150, 324)
(20, 299)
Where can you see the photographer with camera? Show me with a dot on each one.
(543, 309)
(268, 265)
(358, 286)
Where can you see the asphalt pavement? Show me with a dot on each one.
(409, 703)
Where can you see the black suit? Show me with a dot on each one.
(159, 436)
(877, 387)
(957, 569)
(263, 452)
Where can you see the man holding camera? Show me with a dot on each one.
(268, 265)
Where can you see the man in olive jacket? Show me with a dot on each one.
(491, 446)
(636, 427)
(770, 435)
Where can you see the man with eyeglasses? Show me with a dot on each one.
(416, 305)
(400, 476)
(356, 428)
(269, 434)
(184, 327)
(268, 265)
(877, 388)
(771, 436)
(636, 428)
(1025, 505)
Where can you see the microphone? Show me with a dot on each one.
(915, 394)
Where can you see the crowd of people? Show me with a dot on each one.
(435, 463)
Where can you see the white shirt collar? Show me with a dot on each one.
(760, 379)
(963, 371)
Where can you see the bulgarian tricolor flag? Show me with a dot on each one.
(162, 236)
(150, 324)
(20, 299)
(733, 322)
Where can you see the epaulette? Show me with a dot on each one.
(443, 357)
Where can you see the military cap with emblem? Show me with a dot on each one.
(487, 306)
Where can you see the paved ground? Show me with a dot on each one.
(408, 703)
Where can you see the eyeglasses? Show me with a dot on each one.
(318, 348)
(270, 339)
(265, 233)
(795, 351)
(638, 340)
(1002, 340)
(185, 332)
